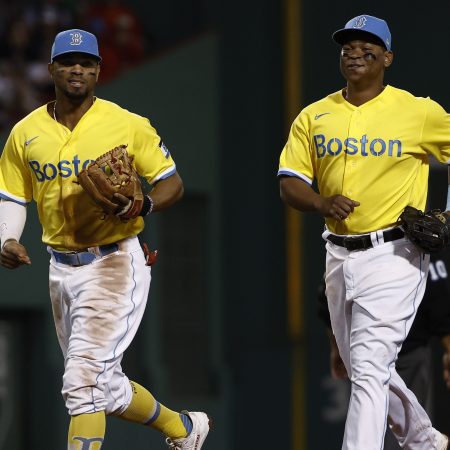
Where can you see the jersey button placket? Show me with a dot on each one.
(350, 159)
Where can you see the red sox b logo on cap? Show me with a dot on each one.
(360, 22)
(77, 38)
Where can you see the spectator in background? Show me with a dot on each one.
(26, 36)
(414, 360)
(27, 29)
(120, 32)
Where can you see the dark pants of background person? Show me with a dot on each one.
(415, 368)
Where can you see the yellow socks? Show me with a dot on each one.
(87, 431)
(146, 410)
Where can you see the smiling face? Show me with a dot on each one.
(363, 59)
(75, 75)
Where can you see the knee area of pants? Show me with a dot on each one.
(82, 371)
(370, 372)
(368, 381)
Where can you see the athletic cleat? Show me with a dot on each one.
(443, 443)
(201, 424)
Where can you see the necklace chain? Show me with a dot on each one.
(54, 108)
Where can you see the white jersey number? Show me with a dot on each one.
(438, 270)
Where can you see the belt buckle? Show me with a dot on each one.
(74, 255)
(77, 254)
(351, 243)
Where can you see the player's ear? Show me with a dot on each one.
(388, 58)
(50, 68)
(98, 72)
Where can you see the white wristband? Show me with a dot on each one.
(12, 221)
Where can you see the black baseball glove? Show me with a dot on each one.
(430, 230)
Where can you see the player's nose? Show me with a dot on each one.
(354, 55)
(76, 68)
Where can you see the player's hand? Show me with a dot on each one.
(338, 207)
(14, 255)
(123, 202)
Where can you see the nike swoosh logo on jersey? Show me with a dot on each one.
(29, 141)
(318, 116)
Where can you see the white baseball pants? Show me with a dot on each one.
(373, 296)
(97, 310)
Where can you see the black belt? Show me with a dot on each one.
(84, 257)
(364, 241)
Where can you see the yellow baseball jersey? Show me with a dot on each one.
(42, 158)
(376, 154)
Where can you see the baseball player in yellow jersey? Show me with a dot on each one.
(367, 146)
(99, 280)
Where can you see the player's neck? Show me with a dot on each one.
(69, 114)
(358, 95)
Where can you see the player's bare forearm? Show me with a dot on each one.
(301, 196)
(167, 192)
(298, 194)
(13, 255)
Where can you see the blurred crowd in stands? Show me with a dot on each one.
(27, 30)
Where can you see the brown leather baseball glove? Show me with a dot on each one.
(113, 173)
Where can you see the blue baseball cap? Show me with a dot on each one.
(366, 24)
(75, 41)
